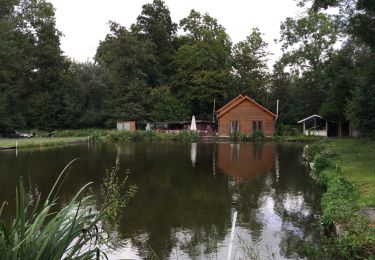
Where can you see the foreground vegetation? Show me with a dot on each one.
(349, 186)
(78, 230)
(39, 232)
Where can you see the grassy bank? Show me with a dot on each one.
(347, 175)
(149, 136)
(40, 141)
(356, 159)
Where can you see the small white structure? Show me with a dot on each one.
(126, 125)
(314, 125)
(193, 125)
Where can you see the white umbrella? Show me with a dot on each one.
(193, 126)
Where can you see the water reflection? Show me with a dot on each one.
(245, 162)
(187, 194)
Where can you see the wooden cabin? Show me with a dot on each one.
(245, 116)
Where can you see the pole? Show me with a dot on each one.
(213, 112)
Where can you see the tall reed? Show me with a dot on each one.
(41, 232)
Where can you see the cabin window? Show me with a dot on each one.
(257, 126)
(260, 125)
(234, 126)
(254, 126)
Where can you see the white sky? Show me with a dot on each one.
(85, 22)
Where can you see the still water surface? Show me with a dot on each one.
(187, 194)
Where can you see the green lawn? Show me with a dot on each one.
(39, 141)
(356, 157)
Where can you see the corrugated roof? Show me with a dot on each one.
(309, 117)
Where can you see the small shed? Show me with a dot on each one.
(126, 125)
(314, 125)
(245, 116)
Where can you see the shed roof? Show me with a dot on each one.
(238, 100)
(309, 117)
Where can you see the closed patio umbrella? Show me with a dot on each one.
(193, 126)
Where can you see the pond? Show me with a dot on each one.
(187, 196)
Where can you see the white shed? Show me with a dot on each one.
(314, 125)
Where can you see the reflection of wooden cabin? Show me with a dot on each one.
(246, 116)
(245, 162)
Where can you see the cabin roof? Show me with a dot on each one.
(309, 117)
(238, 100)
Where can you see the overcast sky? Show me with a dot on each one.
(85, 22)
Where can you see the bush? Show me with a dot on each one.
(321, 163)
(147, 136)
(258, 136)
(313, 150)
(288, 130)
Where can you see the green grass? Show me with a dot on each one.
(345, 168)
(356, 158)
(39, 141)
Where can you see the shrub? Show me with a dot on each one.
(313, 149)
(321, 163)
(258, 135)
(147, 136)
(288, 130)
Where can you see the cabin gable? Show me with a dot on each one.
(245, 116)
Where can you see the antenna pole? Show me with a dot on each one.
(213, 112)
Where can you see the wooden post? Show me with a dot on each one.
(327, 128)
(304, 127)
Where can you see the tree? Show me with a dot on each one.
(249, 66)
(340, 82)
(358, 21)
(46, 108)
(308, 43)
(126, 58)
(202, 67)
(87, 90)
(165, 107)
(155, 24)
(360, 109)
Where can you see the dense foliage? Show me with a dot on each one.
(160, 70)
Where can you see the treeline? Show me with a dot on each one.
(151, 72)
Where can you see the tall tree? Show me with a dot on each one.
(202, 64)
(46, 108)
(126, 58)
(155, 24)
(308, 43)
(358, 21)
(340, 81)
(249, 66)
